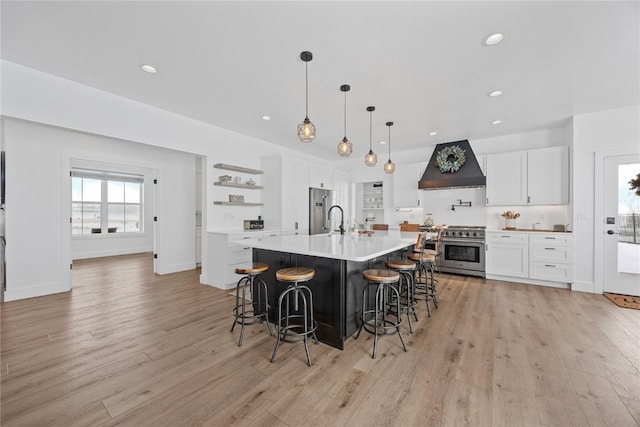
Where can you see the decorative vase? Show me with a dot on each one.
(510, 223)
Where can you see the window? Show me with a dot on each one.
(105, 202)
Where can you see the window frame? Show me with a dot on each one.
(104, 177)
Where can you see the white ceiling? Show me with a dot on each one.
(422, 64)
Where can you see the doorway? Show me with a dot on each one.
(621, 224)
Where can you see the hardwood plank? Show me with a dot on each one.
(127, 347)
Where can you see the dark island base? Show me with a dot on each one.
(337, 289)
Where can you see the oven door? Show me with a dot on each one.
(462, 256)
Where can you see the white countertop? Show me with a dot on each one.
(350, 246)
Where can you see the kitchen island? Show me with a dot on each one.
(338, 261)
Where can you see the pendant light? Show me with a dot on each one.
(345, 147)
(370, 159)
(306, 129)
(389, 167)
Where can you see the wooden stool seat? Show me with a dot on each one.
(255, 268)
(381, 276)
(401, 264)
(295, 274)
(426, 256)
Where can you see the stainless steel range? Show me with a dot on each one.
(462, 250)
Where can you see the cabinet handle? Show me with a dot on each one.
(487, 200)
(248, 237)
(549, 249)
(506, 236)
(550, 265)
(528, 199)
(246, 248)
(272, 235)
(550, 238)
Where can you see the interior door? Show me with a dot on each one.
(621, 225)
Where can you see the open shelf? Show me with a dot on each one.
(238, 204)
(237, 169)
(233, 184)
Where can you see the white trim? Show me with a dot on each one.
(19, 292)
(175, 268)
(583, 287)
(113, 252)
(66, 249)
(522, 280)
(598, 214)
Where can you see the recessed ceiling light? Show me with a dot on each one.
(494, 39)
(433, 133)
(149, 68)
(495, 93)
(496, 122)
(383, 142)
(266, 117)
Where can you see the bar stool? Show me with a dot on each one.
(258, 295)
(406, 286)
(380, 324)
(425, 265)
(298, 324)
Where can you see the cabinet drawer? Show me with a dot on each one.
(506, 237)
(554, 272)
(551, 239)
(544, 253)
(238, 254)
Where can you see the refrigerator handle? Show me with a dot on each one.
(325, 220)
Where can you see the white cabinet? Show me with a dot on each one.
(286, 194)
(548, 176)
(507, 178)
(551, 257)
(231, 250)
(342, 190)
(507, 254)
(405, 185)
(534, 177)
(320, 176)
(541, 258)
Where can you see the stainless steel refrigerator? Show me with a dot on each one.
(320, 201)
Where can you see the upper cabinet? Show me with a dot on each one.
(320, 176)
(548, 176)
(534, 177)
(405, 185)
(507, 178)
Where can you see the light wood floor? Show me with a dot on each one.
(126, 347)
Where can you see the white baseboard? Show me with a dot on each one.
(584, 287)
(34, 291)
(203, 279)
(111, 252)
(522, 280)
(175, 268)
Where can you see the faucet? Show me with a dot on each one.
(341, 217)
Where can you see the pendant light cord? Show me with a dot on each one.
(370, 129)
(306, 89)
(345, 114)
(389, 143)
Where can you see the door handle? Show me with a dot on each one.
(612, 232)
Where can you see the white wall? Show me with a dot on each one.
(38, 203)
(42, 98)
(612, 130)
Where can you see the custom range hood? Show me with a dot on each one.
(452, 165)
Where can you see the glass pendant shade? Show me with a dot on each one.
(389, 167)
(370, 159)
(306, 130)
(345, 147)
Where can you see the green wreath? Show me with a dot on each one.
(450, 159)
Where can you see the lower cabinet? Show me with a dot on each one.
(228, 251)
(507, 254)
(539, 257)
